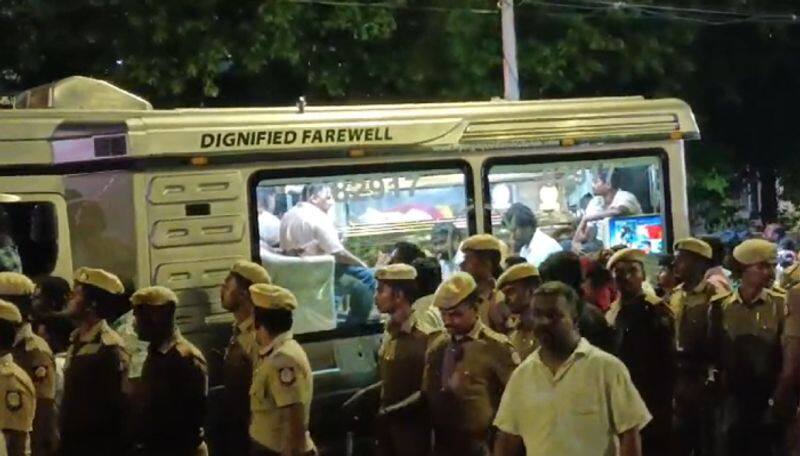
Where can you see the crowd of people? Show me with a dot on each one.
(67, 385)
(583, 356)
(484, 352)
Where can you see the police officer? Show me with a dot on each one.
(16, 388)
(696, 305)
(404, 428)
(482, 257)
(240, 354)
(787, 391)
(518, 283)
(32, 353)
(280, 396)
(753, 320)
(466, 370)
(174, 380)
(96, 369)
(644, 341)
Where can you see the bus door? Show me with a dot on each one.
(34, 227)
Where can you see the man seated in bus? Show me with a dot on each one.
(520, 222)
(268, 222)
(307, 229)
(609, 201)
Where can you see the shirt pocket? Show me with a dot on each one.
(585, 403)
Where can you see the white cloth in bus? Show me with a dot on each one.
(450, 267)
(269, 228)
(624, 200)
(540, 247)
(307, 229)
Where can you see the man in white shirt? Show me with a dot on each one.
(609, 201)
(445, 241)
(568, 397)
(268, 223)
(306, 229)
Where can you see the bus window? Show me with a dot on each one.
(583, 206)
(322, 237)
(28, 238)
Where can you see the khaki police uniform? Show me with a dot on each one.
(282, 378)
(16, 389)
(697, 313)
(174, 386)
(404, 428)
(34, 356)
(93, 408)
(491, 308)
(644, 341)
(464, 377)
(237, 368)
(521, 336)
(790, 277)
(751, 360)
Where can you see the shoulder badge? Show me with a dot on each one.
(286, 375)
(13, 400)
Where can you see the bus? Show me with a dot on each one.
(91, 175)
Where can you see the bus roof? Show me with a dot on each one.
(120, 124)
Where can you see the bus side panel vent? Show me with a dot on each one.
(110, 146)
(198, 209)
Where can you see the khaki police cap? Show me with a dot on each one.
(627, 254)
(517, 272)
(253, 272)
(399, 271)
(9, 312)
(100, 279)
(266, 296)
(153, 296)
(695, 245)
(753, 251)
(454, 290)
(15, 284)
(482, 242)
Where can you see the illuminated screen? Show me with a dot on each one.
(645, 232)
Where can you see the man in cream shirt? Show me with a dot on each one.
(569, 397)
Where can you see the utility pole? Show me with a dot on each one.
(510, 74)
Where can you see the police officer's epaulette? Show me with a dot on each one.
(16, 372)
(425, 328)
(652, 299)
(438, 340)
(719, 294)
(494, 336)
(791, 276)
(777, 291)
(36, 343)
(187, 350)
(111, 338)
